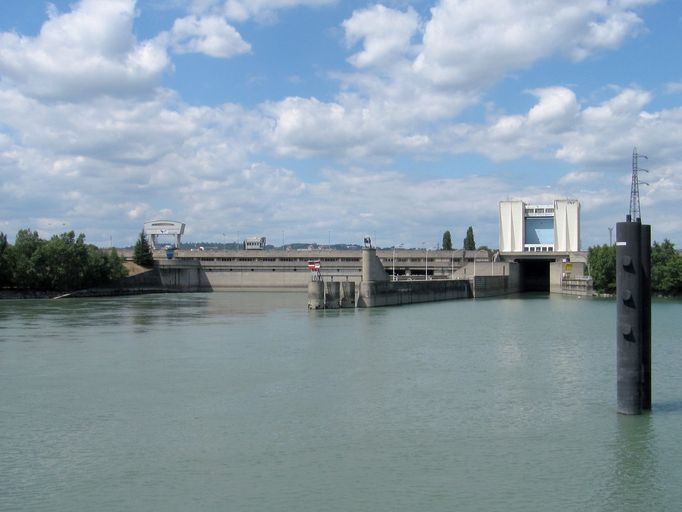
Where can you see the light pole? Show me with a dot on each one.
(426, 275)
(394, 262)
(394, 276)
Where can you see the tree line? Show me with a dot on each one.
(469, 243)
(62, 263)
(666, 268)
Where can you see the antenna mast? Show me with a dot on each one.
(635, 213)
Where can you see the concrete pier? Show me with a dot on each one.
(332, 296)
(315, 295)
(389, 293)
(377, 290)
(347, 294)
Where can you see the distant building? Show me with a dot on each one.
(167, 228)
(540, 228)
(254, 243)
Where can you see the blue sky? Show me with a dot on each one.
(318, 119)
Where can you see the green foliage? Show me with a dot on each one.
(469, 242)
(447, 241)
(601, 260)
(666, 269)
(142, 254)
(26, 245)
(65, 262)
(6, 261)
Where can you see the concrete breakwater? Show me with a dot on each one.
(376, 289)
(331, 294)
(396, 293)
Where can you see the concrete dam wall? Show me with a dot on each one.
(396, 293)
(376, 289)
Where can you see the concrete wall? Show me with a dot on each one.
(188, 275)
(372, 268)
(512, 226)
(485, 268)
(148, 279)
(183, 276)
(491, 286)
(491, 279)
(219, 279)
(566, 225)
(570, 278)
(390, 293)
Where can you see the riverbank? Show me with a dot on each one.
(93, 292)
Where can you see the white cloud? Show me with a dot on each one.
(607, 34)
(673, 87)
(534, 134)
(607, 131)
(111, 157)
(385, 33)
(87, 52)
(581, 177)
(405, 89)
(210, 35)
(473, 43)
(242, 10)
(557, 127)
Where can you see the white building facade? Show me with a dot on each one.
(540, 228)
(156, 228)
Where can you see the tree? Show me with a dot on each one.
(65, 262)
(142, 254)
(6, 262)
(447, 241)
(601, 260)
(666, 269)
(469, 242)
(26, 244)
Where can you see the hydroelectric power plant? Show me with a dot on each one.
(539, 251)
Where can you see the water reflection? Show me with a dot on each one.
(667, 407)
(179, 309)
(31, 320)
(633, 482)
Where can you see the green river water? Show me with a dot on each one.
(249, 402)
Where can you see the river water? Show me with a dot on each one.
(249, 402)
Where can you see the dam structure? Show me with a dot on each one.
(539, 252)
(544, 240)
(283, 270)
(379, 288)
(280, 269)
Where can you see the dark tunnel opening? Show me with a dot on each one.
(534, 275)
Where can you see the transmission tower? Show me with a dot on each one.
(635, 213)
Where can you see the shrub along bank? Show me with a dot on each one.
(62, 263)
(666, 268)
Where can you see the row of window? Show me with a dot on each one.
(539, 248)
(536, 211)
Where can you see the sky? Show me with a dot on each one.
(326, 120)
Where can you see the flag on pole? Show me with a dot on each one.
(314, 265)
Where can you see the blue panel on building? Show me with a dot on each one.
(540, 230)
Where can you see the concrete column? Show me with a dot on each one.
(332, 297)
(348, 294)
(315, 295)
(372, 268)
